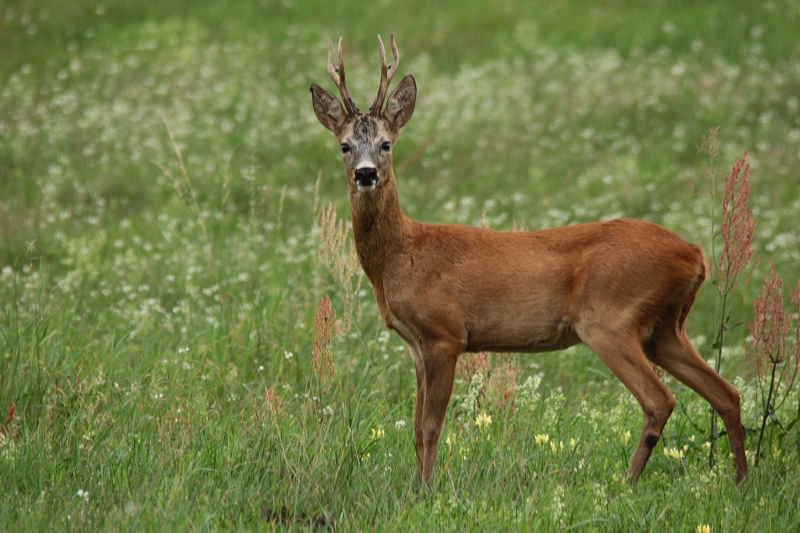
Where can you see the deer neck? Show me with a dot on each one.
(380, 229)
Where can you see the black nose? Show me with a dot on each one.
(366, 176)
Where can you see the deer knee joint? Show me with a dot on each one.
(430, 435)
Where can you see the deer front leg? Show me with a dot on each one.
(436, 386)
(418, 410)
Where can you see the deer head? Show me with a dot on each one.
(366, 140)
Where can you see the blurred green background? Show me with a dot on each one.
(161, 175)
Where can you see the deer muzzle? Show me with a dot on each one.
(366, 179)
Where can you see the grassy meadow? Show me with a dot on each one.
(165, 244)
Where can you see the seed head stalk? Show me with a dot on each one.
(736, 230)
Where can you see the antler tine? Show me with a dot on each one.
(375, 110)
(337, 74)
(387, 73)
(331, 68)
(395, 58)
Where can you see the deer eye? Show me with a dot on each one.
(386, 146)
(345, 148)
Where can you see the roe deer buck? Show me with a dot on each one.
(622, 287)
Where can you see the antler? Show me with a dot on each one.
(338, 79)
(387, 73)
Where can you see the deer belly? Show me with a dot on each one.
(521, 336)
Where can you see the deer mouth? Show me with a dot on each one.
(366, 179)
(363, 186)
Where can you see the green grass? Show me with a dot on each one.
(157, 327)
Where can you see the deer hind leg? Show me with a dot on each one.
(622, 353)
(434, 388)
(671, 349)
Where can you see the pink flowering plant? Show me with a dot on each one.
(774, 346)
(736, 231)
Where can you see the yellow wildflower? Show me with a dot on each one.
(483, 420)
(673, 453)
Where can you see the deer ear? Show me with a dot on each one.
(400, 105)
(328, 109)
